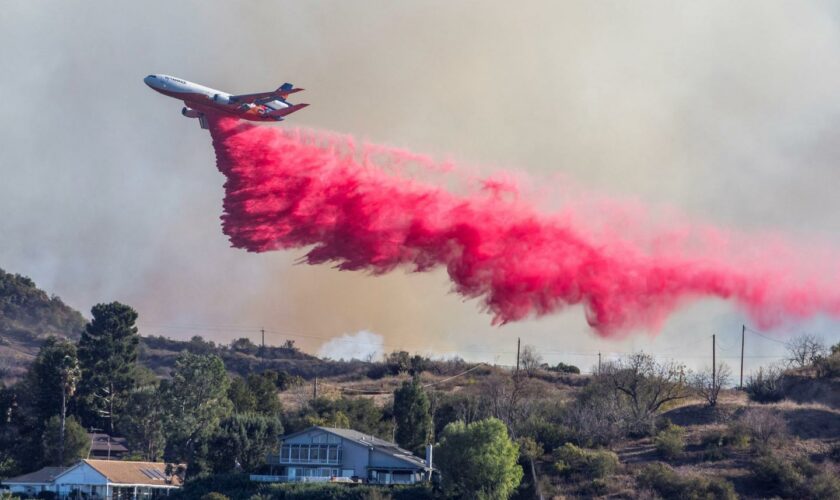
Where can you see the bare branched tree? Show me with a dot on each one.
(805, 350)
(647, 385)
(530, 360)
(707, 386)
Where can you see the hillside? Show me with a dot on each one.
(28, 315)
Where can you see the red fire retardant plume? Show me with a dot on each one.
(357, 207)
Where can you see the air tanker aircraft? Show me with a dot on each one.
(260, 107)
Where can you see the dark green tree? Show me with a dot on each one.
(243, 441)
(412, 416)
(194, 401)
(75, 445)
(240, 395)
(262, 386)
(12, 440)
(107, 352)
(141, 422)
(478, 460)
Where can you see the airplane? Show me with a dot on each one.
(261, 107)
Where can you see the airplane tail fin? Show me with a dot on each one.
(286, 89)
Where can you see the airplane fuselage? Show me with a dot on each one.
(199, 98)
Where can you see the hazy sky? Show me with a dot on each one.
(726, 111)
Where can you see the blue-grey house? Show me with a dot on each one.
(328, 454)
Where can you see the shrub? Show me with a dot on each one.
(670, 442)
(834, 453)
(377, 371)
(765, 386)
(592, 464)
(562, 368)
(550, 435)
(829, 366)
(824, 485)
(777, 475)
(669, 484)
(595, 419)
(214, 495)
(763, 426)
(799, 478)
(717, 442)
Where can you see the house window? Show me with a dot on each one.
(295, 452)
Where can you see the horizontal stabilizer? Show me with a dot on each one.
(281, 93)
(287, 111)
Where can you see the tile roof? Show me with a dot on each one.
(45, 475)
(127, 472)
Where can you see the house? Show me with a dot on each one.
(29, 485)
(99, 479)
(329, 454)
(105, 447)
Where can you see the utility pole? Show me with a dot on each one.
(517, 354)
(714, 368)
(743, 331)
(599, 363)
(262, 331)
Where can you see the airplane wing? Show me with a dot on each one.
(281, 93)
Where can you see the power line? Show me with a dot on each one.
(765, 337)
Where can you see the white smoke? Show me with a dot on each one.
(363, 345)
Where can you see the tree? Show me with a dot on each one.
(707, 386)
(478, 460)
(76, 442)
(530, 360)
(70, 374)
(262, 386)
(244, 345)
(240, 396)
(194, 400)
(398, 362)
(412, 416)
(54, 369)
(646, 386)
(141, 422)
(805, 350)
(107, 353)
(244, 441)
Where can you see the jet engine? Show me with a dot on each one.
(221, 99)
(190, 113)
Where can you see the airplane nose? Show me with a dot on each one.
(150, 80)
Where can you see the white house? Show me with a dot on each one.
(100, 480)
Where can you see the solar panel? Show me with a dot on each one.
(153, 474)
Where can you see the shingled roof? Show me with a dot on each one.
(41, 476)
(369, 441)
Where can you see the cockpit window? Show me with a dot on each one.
(152, 76)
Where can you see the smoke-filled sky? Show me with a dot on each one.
(723, 112)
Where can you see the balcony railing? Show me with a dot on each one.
(300, 479)
(278, 460)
